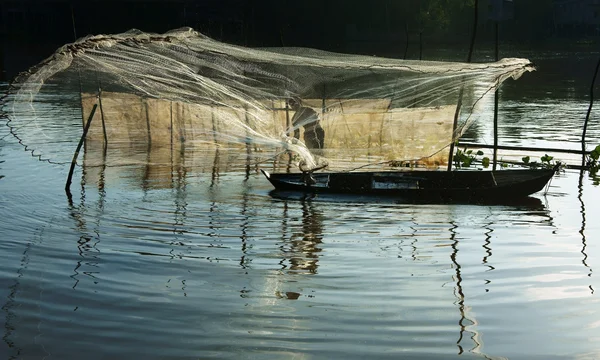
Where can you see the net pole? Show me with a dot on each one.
(323, 106)
(171, 142)
(248, 143)
(587, 117)
(148, 126)
(102, 112)
(460, 95)
(289, 129)
(287, 119)
(496, 96)
(73, 21)
(77, 150)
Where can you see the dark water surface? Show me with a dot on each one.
(180, 262)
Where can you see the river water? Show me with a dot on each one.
(188, 262)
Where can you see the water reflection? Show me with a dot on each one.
(487, 245)
(301, 249)
(210, 232)
(464, 322)
(165, 236)
(582, 229)
(88, 238)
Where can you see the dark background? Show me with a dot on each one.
(32, 29)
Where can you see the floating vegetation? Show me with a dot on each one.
(593, 165)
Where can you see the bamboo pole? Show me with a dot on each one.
(102, 115)
(76, 154)
(289, 132)
(460, 95)
(587, 116)
(148, 127)
(496, 95)
(248, 143)
(73, 22)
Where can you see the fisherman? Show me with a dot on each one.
(314, 135)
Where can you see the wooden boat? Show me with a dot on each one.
(460, 185)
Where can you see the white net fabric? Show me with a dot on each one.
(183, 87)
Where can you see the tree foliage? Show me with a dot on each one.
(443, 15)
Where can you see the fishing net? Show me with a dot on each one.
(187, 90)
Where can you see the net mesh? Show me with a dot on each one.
(182, 87)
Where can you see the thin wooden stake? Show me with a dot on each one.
(289, 133)
(73, 22)
(496, 96)
(102, 115)
(460, 95)
(76, 154)
(587, 117)
(287, 119)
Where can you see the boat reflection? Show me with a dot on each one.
(530, 202)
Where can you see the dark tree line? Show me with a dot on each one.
(378, 27)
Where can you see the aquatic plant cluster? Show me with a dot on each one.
(593, 165)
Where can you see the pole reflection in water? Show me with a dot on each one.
(582, 230)
(88, 240)
(244, 261)
(179, 186)
(487, 245)
(460, 295)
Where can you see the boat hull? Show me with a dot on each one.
(470, 185)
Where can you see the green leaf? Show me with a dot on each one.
(525, 159)
(485, 162)
(479, 152)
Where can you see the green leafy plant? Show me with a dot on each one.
(485, 162)
(593, 165)
(546, 162)
(465, 158)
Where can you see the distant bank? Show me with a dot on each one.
(31, 30)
